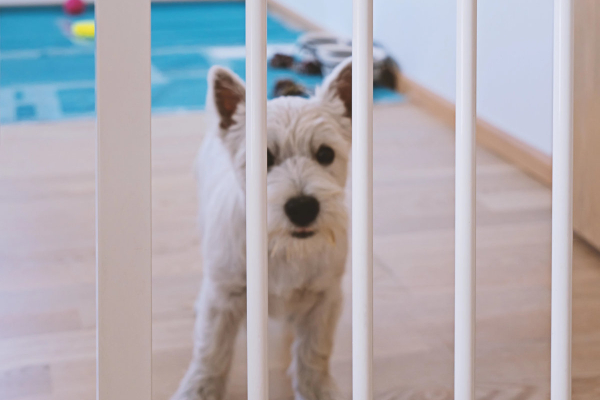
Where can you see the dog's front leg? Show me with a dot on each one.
(313, 346)
(218, 315)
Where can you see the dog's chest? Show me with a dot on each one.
(296, 285)
(291, 304)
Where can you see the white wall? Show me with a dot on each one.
(514, 53)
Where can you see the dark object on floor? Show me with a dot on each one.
(282, 61)
(309, 67)
(287, 87)
(388, 75)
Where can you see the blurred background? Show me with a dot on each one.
(47, 190)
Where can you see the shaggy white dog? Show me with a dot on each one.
(308, 148)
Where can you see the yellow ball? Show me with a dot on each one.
(84, 29)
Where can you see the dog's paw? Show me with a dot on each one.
(205, 389)
(317, 391)
(184, 396)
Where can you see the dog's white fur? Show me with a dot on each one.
(304, 273)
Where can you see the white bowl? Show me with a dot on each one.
(330, 55)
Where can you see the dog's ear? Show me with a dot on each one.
(338, 86)
(226, 95)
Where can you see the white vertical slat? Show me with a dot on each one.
(256, 198)
(464, 319)
(362, 200)
(562, 201)
(123, 200)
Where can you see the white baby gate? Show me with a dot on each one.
(124, 318)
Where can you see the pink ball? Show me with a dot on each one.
(74, 7)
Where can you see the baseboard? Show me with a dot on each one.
(530, 160)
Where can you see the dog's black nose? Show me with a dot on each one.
(302, 210)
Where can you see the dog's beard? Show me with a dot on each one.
(283, 244)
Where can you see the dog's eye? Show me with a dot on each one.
(325, 155)
(270, 159)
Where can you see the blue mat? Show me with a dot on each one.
(46, 74)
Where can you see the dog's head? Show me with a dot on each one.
(307, 157)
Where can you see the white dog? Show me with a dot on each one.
(308, 149)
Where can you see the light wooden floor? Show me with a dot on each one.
(47, 317)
